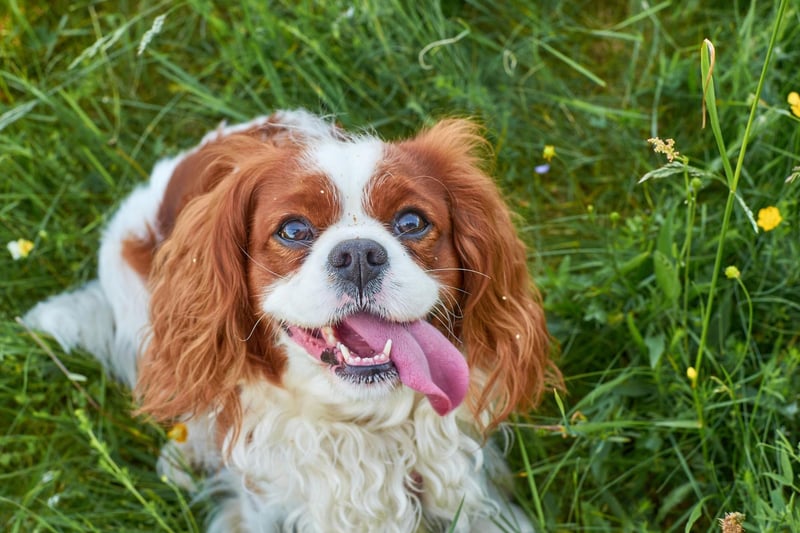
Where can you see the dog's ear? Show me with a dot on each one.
(203, 341)
(503, 326)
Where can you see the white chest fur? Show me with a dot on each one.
(320, 468)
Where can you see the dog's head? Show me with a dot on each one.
(343, 267)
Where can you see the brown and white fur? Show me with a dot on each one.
(217, 275)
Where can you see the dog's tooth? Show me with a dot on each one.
(345, 351)
(330, 337)
(387, 349)
(368, 360)
(349, 358)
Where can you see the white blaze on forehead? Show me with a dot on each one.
(349, 165)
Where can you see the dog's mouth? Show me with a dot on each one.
(364, 350)
(348, 354)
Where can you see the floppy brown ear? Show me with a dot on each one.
(203, 339)
(503, 326)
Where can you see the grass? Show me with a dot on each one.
(632, 272)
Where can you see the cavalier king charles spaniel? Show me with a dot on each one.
(338, 322)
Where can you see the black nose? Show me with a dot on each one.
(357, 263)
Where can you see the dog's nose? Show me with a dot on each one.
(357, 262)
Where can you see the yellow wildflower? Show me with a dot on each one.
(691, 373)
(769, 218)
(20, 249)
(732, 272)
(549, 152)
(794, 102)
(178, 433)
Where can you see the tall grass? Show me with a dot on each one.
(682, 400)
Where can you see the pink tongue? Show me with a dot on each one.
(426, 361)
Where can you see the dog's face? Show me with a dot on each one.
(347, 267)
(352, 258)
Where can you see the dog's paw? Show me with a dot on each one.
(77, 319)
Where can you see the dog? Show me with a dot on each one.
(336, 321)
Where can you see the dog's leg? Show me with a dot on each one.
(81, 318)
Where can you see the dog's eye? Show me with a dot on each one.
(410, 224)
(296, 231)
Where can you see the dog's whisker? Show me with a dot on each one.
(253, 329)
(259, 265)
(456, 289)
(458, 269)
(450, 297)
(445, 321)
(445, 317)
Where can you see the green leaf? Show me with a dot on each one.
(634, 332)
(655, 347)
(707, 64)
(748, 212)
(666, 234)
(560, 403)
(666, 276)
(676, 167)
(634, 262)
(674, 498)
(786, 467)
(695, 514)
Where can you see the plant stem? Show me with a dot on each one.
(734, 183)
